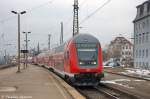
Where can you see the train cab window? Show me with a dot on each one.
(87, 54)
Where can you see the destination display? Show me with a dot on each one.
(86, 45)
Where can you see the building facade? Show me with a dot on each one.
(122, 50)
(142, 36)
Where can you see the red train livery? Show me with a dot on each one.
(79, 60)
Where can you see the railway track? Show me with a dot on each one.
(104, 92)
(136, 77)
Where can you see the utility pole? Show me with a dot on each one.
(38, 48)
(5, 57)
(49, 39)
(26, 40)
(75, 18)
(18, 13)
(61, 36)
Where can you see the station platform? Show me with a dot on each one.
(32, 83)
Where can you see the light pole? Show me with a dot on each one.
(26, 40)
(18, 13)
(49, 39)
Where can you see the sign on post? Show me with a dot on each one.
(24, 51)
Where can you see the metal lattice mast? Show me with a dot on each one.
(75, 18)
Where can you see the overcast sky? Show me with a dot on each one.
(43, 17)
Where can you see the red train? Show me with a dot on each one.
(79, 60)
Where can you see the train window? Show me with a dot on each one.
(87, 57)
(87, 54)
(66, 55)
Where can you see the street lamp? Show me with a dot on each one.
(18, 13)
(26, 40)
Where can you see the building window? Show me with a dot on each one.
(136, 27)
(136, 39)
(148, 7)
(136, 53)
(136, 64)
(143, 25)
(126, 47)
(129, 53)
(140, 64)
(147, 36)
(143, 38)
(126, 53)
(129, 47)
(146, 52)
(144, 65)
(139, 26)
(141, 10)
(147, 23)
(147, 64)
(143, 53)
(122, 53)
(139, 38)
(139, 53)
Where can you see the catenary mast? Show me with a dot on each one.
(75, 18)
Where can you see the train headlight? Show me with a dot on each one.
(81, 63)
(93, 63)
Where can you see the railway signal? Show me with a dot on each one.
(26, 53)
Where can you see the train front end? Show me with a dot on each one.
(85, 60)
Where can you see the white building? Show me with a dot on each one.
(142, 36)
(122, 49)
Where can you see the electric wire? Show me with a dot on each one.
(7, 18)
(82, 3)
(93, 13)
(28, 10)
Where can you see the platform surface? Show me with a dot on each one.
(32, 83)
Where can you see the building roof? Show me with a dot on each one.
(148, 1)
(141, 7)
(121, 40)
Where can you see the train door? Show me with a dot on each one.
(66, 61)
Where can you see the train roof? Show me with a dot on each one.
(80, 38)
(85, 38)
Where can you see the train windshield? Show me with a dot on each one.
(87, 54)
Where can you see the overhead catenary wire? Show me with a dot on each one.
(93, 13)
(28, 10)
(82, 3)
(41, 5)
(10, 17)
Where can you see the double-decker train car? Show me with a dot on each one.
(79, 60)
